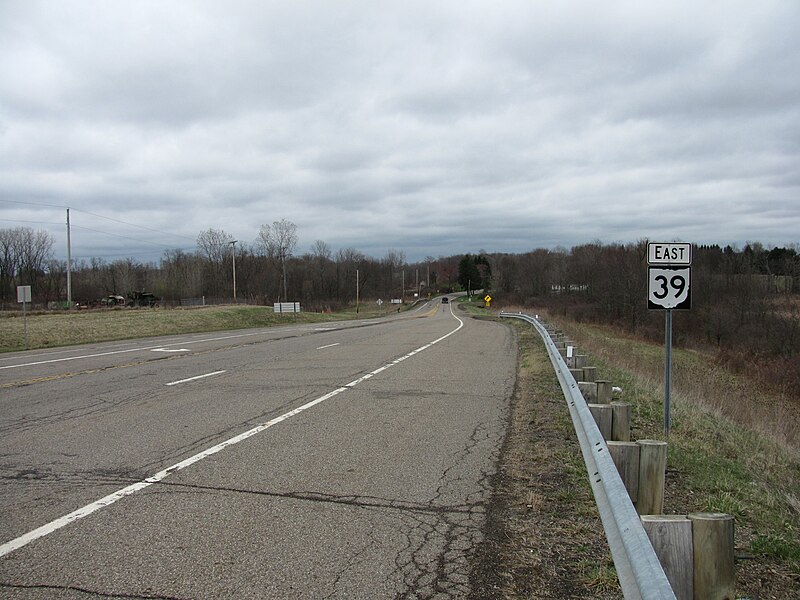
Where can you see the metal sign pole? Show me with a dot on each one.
(667, 370)
(25, 320)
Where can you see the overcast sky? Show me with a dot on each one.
(433, 128)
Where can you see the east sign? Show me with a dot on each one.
(669, 254)
(669, 276)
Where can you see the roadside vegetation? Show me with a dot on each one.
(733, 448)
(48, 329)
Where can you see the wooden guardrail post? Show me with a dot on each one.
(577, 374)
(626, 458)
(603, 417)
(671, 537)
(588, 390)
(589, 374)
(621, 422)
(603, 391)
(714, 574)
(652, 471)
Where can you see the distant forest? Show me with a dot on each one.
(745, 301)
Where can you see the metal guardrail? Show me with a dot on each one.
(638, 568)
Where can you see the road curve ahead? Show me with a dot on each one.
(339, 461)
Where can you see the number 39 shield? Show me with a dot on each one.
(668, 287)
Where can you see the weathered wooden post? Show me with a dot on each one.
(652, 470)
(589, 374)
(588, 390)
(581, 361)
(621, 422)
(602, 416)
(671, 537)
(714, 574)
(626, 458)
(603, 391)
(577, 374)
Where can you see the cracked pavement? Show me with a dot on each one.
(379, 492)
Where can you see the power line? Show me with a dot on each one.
(125, 237)
(173, 234)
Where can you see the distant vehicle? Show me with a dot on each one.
(445, 299)
(143, 299)
(113, 300)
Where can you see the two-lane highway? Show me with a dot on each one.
(346, 460)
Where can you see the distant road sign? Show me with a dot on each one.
(669, 287)
(669, 254)
(488, 298)
(23, 293)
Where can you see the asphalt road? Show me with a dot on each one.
(345, 460)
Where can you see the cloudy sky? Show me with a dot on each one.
(433, 128)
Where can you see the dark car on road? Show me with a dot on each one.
(445, 299)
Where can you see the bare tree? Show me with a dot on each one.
(215, 246)
(24, 257)
(278, 241)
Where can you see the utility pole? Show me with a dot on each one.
(233, 253)
(356, 291)
(69, 265)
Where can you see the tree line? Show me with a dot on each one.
(745, 301)
(267, 270)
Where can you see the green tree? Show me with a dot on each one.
(469, 277)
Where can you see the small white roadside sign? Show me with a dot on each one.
(669, 253)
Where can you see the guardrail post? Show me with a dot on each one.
(588, 390)
(652, 470)
(603, 391)
(581, 360)
(621, 422)
(671, 537)
(589, 374)
(714, 574)
(577, 374)
(626, 458)
(603, 417)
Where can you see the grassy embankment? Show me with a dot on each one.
(733, 448)
(52, 329)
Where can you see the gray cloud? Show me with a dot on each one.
(433, 128)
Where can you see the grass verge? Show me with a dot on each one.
(52, 329)
(721, 457)
(543, 537)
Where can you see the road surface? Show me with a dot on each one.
(344, 460)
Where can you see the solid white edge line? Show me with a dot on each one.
(87, 510)
(194, 378)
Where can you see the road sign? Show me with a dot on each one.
(669, 287)
(669, 254)
(23, 293)
(488, 298)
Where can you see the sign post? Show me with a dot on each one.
(668, 287)
(24, 296)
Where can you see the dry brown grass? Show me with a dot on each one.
(733, 449)
(51, 329)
